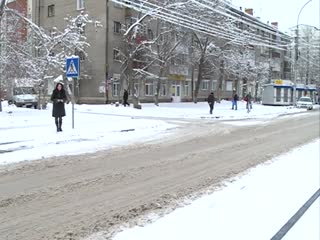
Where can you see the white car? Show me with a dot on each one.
(305, 102)
(24, 96)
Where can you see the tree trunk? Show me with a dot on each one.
(192, 83)
(221, 79)
(256, 91)
(158, 88)
(199, 80)
(156, 96)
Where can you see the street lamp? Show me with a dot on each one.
(297, 55)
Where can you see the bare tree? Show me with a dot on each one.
(51, 48)
(309, 54)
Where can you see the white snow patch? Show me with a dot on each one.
(222, 111)
(28, 134)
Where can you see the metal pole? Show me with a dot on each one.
(73, 101)
(297, 56)
(295, 68)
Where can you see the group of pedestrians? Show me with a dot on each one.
(248, 99)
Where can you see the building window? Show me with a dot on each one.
(115, 89)
(81, 55)
(116, 55)
(205, 85)
(214, 85)
(229, 86)
(116, 27)
(51, 10)
(150, 34)
(129, 21)
(286, 94)
(278, 94)
(163, 90)
(149, 89)
(186, 90)
(80, 4)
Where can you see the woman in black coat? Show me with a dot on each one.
(58, 98)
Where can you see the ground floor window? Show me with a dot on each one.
(149, 89)
(187, 90)
(299, 94)
(178, 90)
(229, 86)
(205, 85)
(115, 89)
(278, 94)
(285, 95)
(163, 89)
(175, 90)
(214, 85)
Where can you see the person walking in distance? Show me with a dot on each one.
(235, 102)
(125, 98)
(248, 99)
(211, 101)
(58, 98)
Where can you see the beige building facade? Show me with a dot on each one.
(101, 72)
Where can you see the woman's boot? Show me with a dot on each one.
(60, 124)
(57, 124)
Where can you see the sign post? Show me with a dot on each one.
(73, 71)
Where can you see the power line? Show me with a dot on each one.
(173, 17)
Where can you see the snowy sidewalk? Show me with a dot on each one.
(253, 207)
(28, 134)
(222, 111)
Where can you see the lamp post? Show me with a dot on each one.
(297, 55)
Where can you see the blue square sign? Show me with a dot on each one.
(73, 67)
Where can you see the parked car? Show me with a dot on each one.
(305, 102)
(25, 96)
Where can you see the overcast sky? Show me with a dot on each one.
(285, 12)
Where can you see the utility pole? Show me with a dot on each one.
(308, 59)
(296, 56)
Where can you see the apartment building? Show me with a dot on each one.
(101, 71)
(20, 6)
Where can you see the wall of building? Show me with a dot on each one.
(100, 70)
(20, 6)
(93, 68)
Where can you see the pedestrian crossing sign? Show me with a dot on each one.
(73, 67)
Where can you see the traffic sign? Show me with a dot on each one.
(73, 67)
